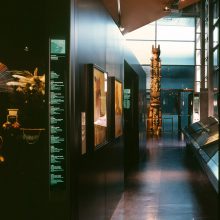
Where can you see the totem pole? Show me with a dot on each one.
(154, 114)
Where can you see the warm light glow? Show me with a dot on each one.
(2, 159)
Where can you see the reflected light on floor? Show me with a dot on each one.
(178, 175)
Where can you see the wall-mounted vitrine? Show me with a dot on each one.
(95, 110)
(116, 110)
(203, 138)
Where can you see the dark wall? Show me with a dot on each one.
(23, 24)
(131, 128)
(101, 174)
(131, 62)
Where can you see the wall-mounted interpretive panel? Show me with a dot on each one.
(57, 122)
(127, 98)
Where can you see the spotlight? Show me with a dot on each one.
(166, 8)
(121, 29)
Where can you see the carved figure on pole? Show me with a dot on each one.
(154, 113)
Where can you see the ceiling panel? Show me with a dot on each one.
(135, 14)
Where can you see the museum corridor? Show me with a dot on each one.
(92, 96)
(170, 185)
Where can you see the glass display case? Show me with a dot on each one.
(203, 138)
(23, 125)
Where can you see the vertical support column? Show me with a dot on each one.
(202, 25)
(179, 111)
(203, 89)
(210, 60)
(154, 114)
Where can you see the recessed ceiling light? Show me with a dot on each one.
(121, 28)
(166, 8)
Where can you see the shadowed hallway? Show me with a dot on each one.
(168, 186)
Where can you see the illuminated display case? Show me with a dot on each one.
(116, 110)
(203, 138)
(95, 110)
(22, 101)
(23, 131)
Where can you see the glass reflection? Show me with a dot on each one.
(198, 57)
(141, 49)
(176, 37)
(198, 26)
(177, 53)
(182, 29)
(144, 33)
(176, 33)
(216, 35)
(215, 57)
(198, 41)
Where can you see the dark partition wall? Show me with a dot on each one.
(101, 172)
(132, 66)
(101, 176)
(131, 134)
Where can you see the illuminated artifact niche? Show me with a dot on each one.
(154, 114)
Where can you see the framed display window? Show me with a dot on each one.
(96, 107)
(116, 110)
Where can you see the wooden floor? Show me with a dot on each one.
(169, 185)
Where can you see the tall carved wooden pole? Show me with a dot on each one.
(154, 113)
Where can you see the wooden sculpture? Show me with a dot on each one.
(154, 114)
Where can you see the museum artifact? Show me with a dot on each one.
(12, 120)
(154, 122)
(31, 135)
(26, 82)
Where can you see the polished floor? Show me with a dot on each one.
(168, 186)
